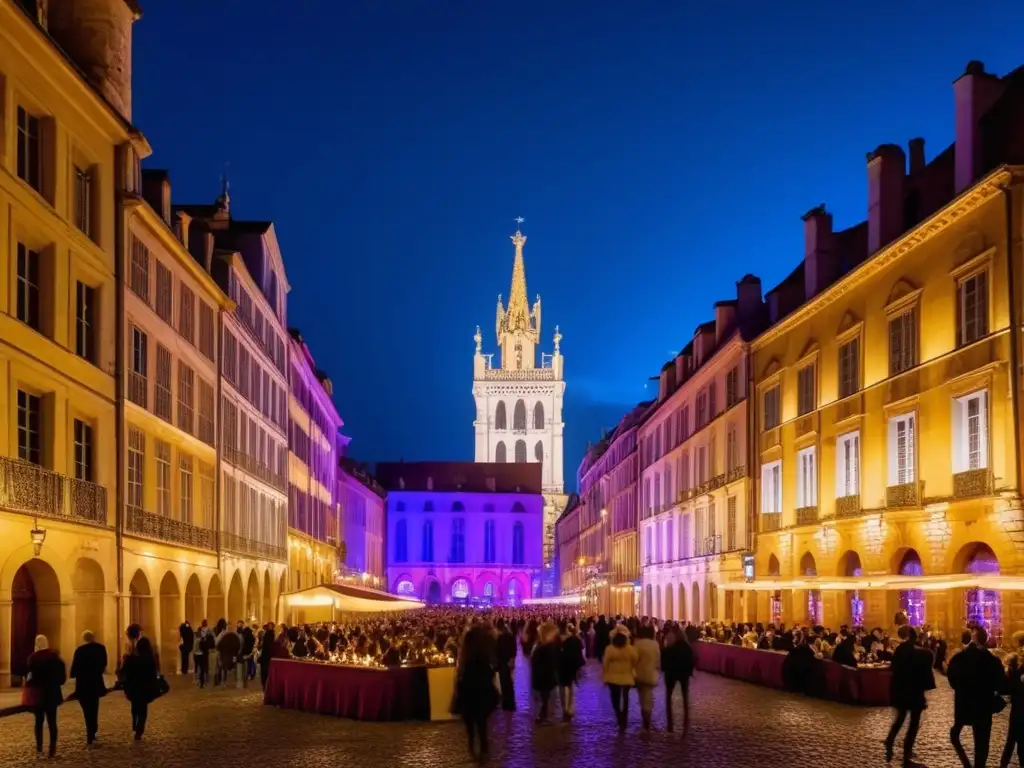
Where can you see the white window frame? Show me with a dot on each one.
(771, 487)
(979, 280)
(902, 449)
(807, 477)
(966, 456)
(848, 468)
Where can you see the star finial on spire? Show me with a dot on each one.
(519, 221)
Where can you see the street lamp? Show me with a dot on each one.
(38, 537)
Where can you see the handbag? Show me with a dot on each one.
(162, 686)
(31, 696)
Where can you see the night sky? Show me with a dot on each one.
(657, 152)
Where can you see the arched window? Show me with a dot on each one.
(427, 553)
(513, 592)
(517, 544)
(520, 451)
(458, 550)
(538, 415)
(489, 590)
(499, 453)
(488, 507)
(457, 506)
(460, 589)
(489, 546)
(428, 506)
(405, 587)
(500, 420)
(519, 415)
(401, 545)
(538, 451)
(399, 506)
(518, 507)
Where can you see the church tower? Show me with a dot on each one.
(519, 400)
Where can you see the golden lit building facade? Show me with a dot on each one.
(887, 417)
(361, 502)
(694, 522)
(571, 577)
(64, 142)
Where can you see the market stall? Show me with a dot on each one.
(329, 602)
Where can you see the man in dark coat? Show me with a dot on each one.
(187, 638)
(505, 651)
(911, 677)
(87, 668)
(844, 652)
(976, 677)
(602, 636)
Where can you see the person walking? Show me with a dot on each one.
(46, 675)
(570, 661)
(544, 668)
(201, 649)
(506, 649)
(229, 645)
(87, 668)
(1015, 686)
(911, 676)
(266, 653)
(648, 664)
(976, 677)
(476, 696)
(186, 641)
(677, 668)
(618, 668)
(140, 684)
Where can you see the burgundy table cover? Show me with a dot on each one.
(864, 686)
(353, 692)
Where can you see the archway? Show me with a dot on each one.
(906, 562)
(433, 592)
(657, 602)
(981, 606)
(140, 603)
(849, 566)
(252, 598)
(236, 599)
(669, 602)
(460, 591)
(170, 618)
(810, 568)
(282, 589)
(695, 602)
(682, 603)
(214, 601)
(88, 585)
(267, 612)
(650, 600)
(35, 610)
(194, 611)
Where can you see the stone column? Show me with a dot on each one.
(6, 608)
(68, 639)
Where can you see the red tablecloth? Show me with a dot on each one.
(867, 687)
(360, 694)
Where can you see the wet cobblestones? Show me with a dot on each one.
(732, 724)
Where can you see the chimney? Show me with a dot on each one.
(181, 229)
(974, 92)
(97, 36)
(916, 147)
(887, 166)
(725, 320)
(748, 296)
(819, 259)
(208, 251)
(684, 363)
(667, 382)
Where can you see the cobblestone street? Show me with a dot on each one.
(733, 724)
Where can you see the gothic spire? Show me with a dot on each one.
(518, 316)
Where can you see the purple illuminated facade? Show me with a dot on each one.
(464, 532)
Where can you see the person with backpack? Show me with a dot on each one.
(203, 647)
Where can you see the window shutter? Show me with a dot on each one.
(911, 453)
(959, 436)
(983, 428)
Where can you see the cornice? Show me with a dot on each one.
(968, 202)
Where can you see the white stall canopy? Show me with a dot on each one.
(346, 598)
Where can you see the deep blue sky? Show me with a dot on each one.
(658, 152)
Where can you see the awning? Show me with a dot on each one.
(345, 597)
(576, 599)
(883, 582)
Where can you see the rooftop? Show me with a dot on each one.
(466, 476)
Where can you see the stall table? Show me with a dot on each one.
(865, 686)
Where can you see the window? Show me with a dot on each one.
(206, 432)
(136, 465)
(973, 308)
(187, 314)
(902, 449)
(500, 453)
(702, 408)
(807, 478)
(138, 384)
(848, 465)
(712, 457)
(500, 422)
(207, 500)
(162, 451)
(684, 537)
(458, 543)
(490, 548)
(83, 201)
(771, 408)
(162, 384)
(30, 432)
(732, 450)
(83, 451)
(684, 472)
(519, 415)
(849, 367)
(538, 451)
(28, 287)
(806, 396)
(186, 487)
(85, 321)
(186, 394)
(903, 342)
(730, 524)
(139, 275)
(30, 156)
(771, 488)
(164, 293)
(229, 356)
(701, 469)
(518, 544)
(970, 432)
(206, 330)
(712, 400)
(732, 387)
(520, 451)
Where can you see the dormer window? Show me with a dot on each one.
(430, 483)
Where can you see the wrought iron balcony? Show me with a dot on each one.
(736, 473)
(806, 515)
(33, 490)
(973, 482)
(141, 523)
(903, 495)
(709, 545)
(255, 468)
(235, 543)
(770, 521)
(848, 506)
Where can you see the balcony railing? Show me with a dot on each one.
(848, 506)
(138, 388)
(806, 515)
(709, 545)
(255, 468)
(973, 482)
(771, 521)
(142, 523)
(903, 495)
(235, 543)
(34, 490)
(736, 473)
